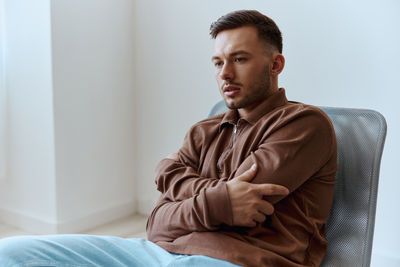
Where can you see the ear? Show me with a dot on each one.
(278, 63)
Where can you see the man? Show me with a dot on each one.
(217, 207)
(250, 187)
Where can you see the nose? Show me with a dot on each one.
(227, 72)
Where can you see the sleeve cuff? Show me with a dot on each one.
(219, 204)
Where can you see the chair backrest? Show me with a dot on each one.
(360, 137)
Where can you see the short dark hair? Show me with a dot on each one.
(266, 27)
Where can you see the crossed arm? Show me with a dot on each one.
(202, 211)
(246, 199)
(192, 203)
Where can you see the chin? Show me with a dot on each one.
(231, 105)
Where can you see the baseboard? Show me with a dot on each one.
(37, 225)
(27, 222)
(98, 218)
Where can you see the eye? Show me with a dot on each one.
(218, 64)
(240, 59)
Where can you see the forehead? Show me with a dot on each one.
(243, 38)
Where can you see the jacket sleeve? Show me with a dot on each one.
(205, 211)
(179, 179)
(188, 202)
(294, 152)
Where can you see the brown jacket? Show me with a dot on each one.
(293, 145)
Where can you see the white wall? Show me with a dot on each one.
(339, 53)
(3, 102)
(174, 85)
(27, 194)
(93, 44)
(69, 81)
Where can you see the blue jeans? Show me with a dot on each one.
(89, 250)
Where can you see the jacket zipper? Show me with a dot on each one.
(233, 142)
(234, 134)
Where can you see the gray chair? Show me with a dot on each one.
(360, 136)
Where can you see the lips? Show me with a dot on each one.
(230, 90)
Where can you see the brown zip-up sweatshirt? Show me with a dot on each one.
(293, 144)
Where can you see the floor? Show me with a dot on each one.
(131, 226)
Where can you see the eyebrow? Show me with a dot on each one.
(239, 52)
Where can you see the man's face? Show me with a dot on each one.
(242, 63)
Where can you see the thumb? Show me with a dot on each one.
(248, 175)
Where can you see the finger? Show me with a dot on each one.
(266, 207)
(248, 175)
(259, 217)
(250, 224)
(271, 190)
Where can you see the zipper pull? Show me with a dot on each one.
(234, 134)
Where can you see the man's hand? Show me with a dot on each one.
(248, 206)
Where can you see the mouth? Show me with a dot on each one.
(231, 90)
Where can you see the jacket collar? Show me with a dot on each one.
(275, 100)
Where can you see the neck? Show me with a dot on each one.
(244, 112)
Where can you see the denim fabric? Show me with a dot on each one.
(89, 250)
